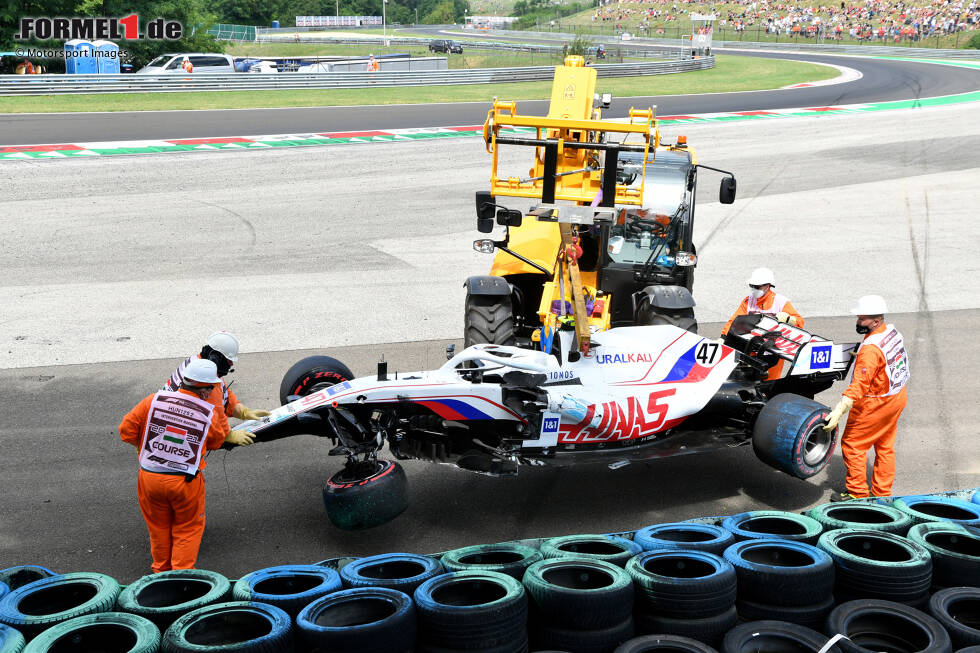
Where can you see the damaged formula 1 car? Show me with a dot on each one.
(642, 392)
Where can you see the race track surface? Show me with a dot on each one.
(115, 269)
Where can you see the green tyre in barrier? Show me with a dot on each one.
(370, 494)
(234, 627)
(610, 548)
(870, 625)
(464, 610)
(365, 619)
(11, 641)
(164, 597)
(507, 558)
(955, 553)
(105, 632)
(682, 584)
(927, 508)
(878, 565)
(290, 587)
(773, 525)
(600, 640)
(664, 643)
(49, 601)
(772, 635)
(580, 594)
(958, 610)
(866, 516)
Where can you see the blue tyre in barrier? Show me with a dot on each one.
(290, 587)
(16, 577)
(684, 536)
(49, 601)
(11, 641)
(925, 508)
(364, 619)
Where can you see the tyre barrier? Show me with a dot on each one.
(165, 596)
(365, 619)
(682, 584)
(775, 637)
(665, 643)
(877, 565)
(783, 580)
(11, 641)
(684, 536)
(472, 610)
(926, 508)
(106, 632)
(397, 571)
(955, 553)
(958, 610)
(579, 594)
(708, 630)
(233, 626)
(290, 587)
(506, 558)
(16, 577)
(773, 524)
(44, 603)
(875, 625)
(610, 548)
(866, 516)
(4, 590)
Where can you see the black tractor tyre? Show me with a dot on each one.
(368, 495)
(683, 318)
(489, 319)
(311, 375)
(789, 435)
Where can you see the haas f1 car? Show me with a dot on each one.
(643, 392)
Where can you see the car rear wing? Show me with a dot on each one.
(764, 341)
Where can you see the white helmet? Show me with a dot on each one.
(870, 305)
(201, 370)
(762, 276)
(225, 343)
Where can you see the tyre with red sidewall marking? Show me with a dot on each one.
(369, 494)
(311, 375)
(789, 436)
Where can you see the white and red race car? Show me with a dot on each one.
(643, 392)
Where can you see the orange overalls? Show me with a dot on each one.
(172, 507)
(766, 305)
(878, 390)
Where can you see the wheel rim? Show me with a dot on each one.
(817, 446)
(317, 387)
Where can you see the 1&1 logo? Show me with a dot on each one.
(550, 425)
(820, 358)
(127, 27)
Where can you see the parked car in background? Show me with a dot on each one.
(201, 62)
(445, 45)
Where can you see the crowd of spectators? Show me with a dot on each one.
(868, 20)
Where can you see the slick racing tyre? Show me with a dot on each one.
(489, 319)
(368, 494)
(237, 626)
(290, 587)
(164, 597)
(312, 375)
(106, 632)
(682, 318)
(789, 436)
(364, 619)
(49, 601)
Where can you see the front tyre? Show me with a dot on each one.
(366, 494)
(311, 375)
(789, 435)
(489, 319)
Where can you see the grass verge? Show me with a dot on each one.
(731, 73)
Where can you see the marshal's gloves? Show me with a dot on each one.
(842, 407)
(246, 414)
(783, 316)
(241, 437)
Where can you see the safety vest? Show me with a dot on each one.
(778, 303)
(176, 428)
(892, 346)
(173, 383)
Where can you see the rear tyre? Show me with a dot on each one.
(789, 435)
(489, 319)
(368, 494)
(311, 375)
(682, 318)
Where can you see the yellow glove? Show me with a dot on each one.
(842, 407)
(783, 316)
(241, 437)
(245, 413)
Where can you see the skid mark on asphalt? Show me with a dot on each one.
(244, 221)
(729, 218)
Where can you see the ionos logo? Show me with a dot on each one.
(128, 27)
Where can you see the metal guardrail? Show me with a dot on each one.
(74, 84)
